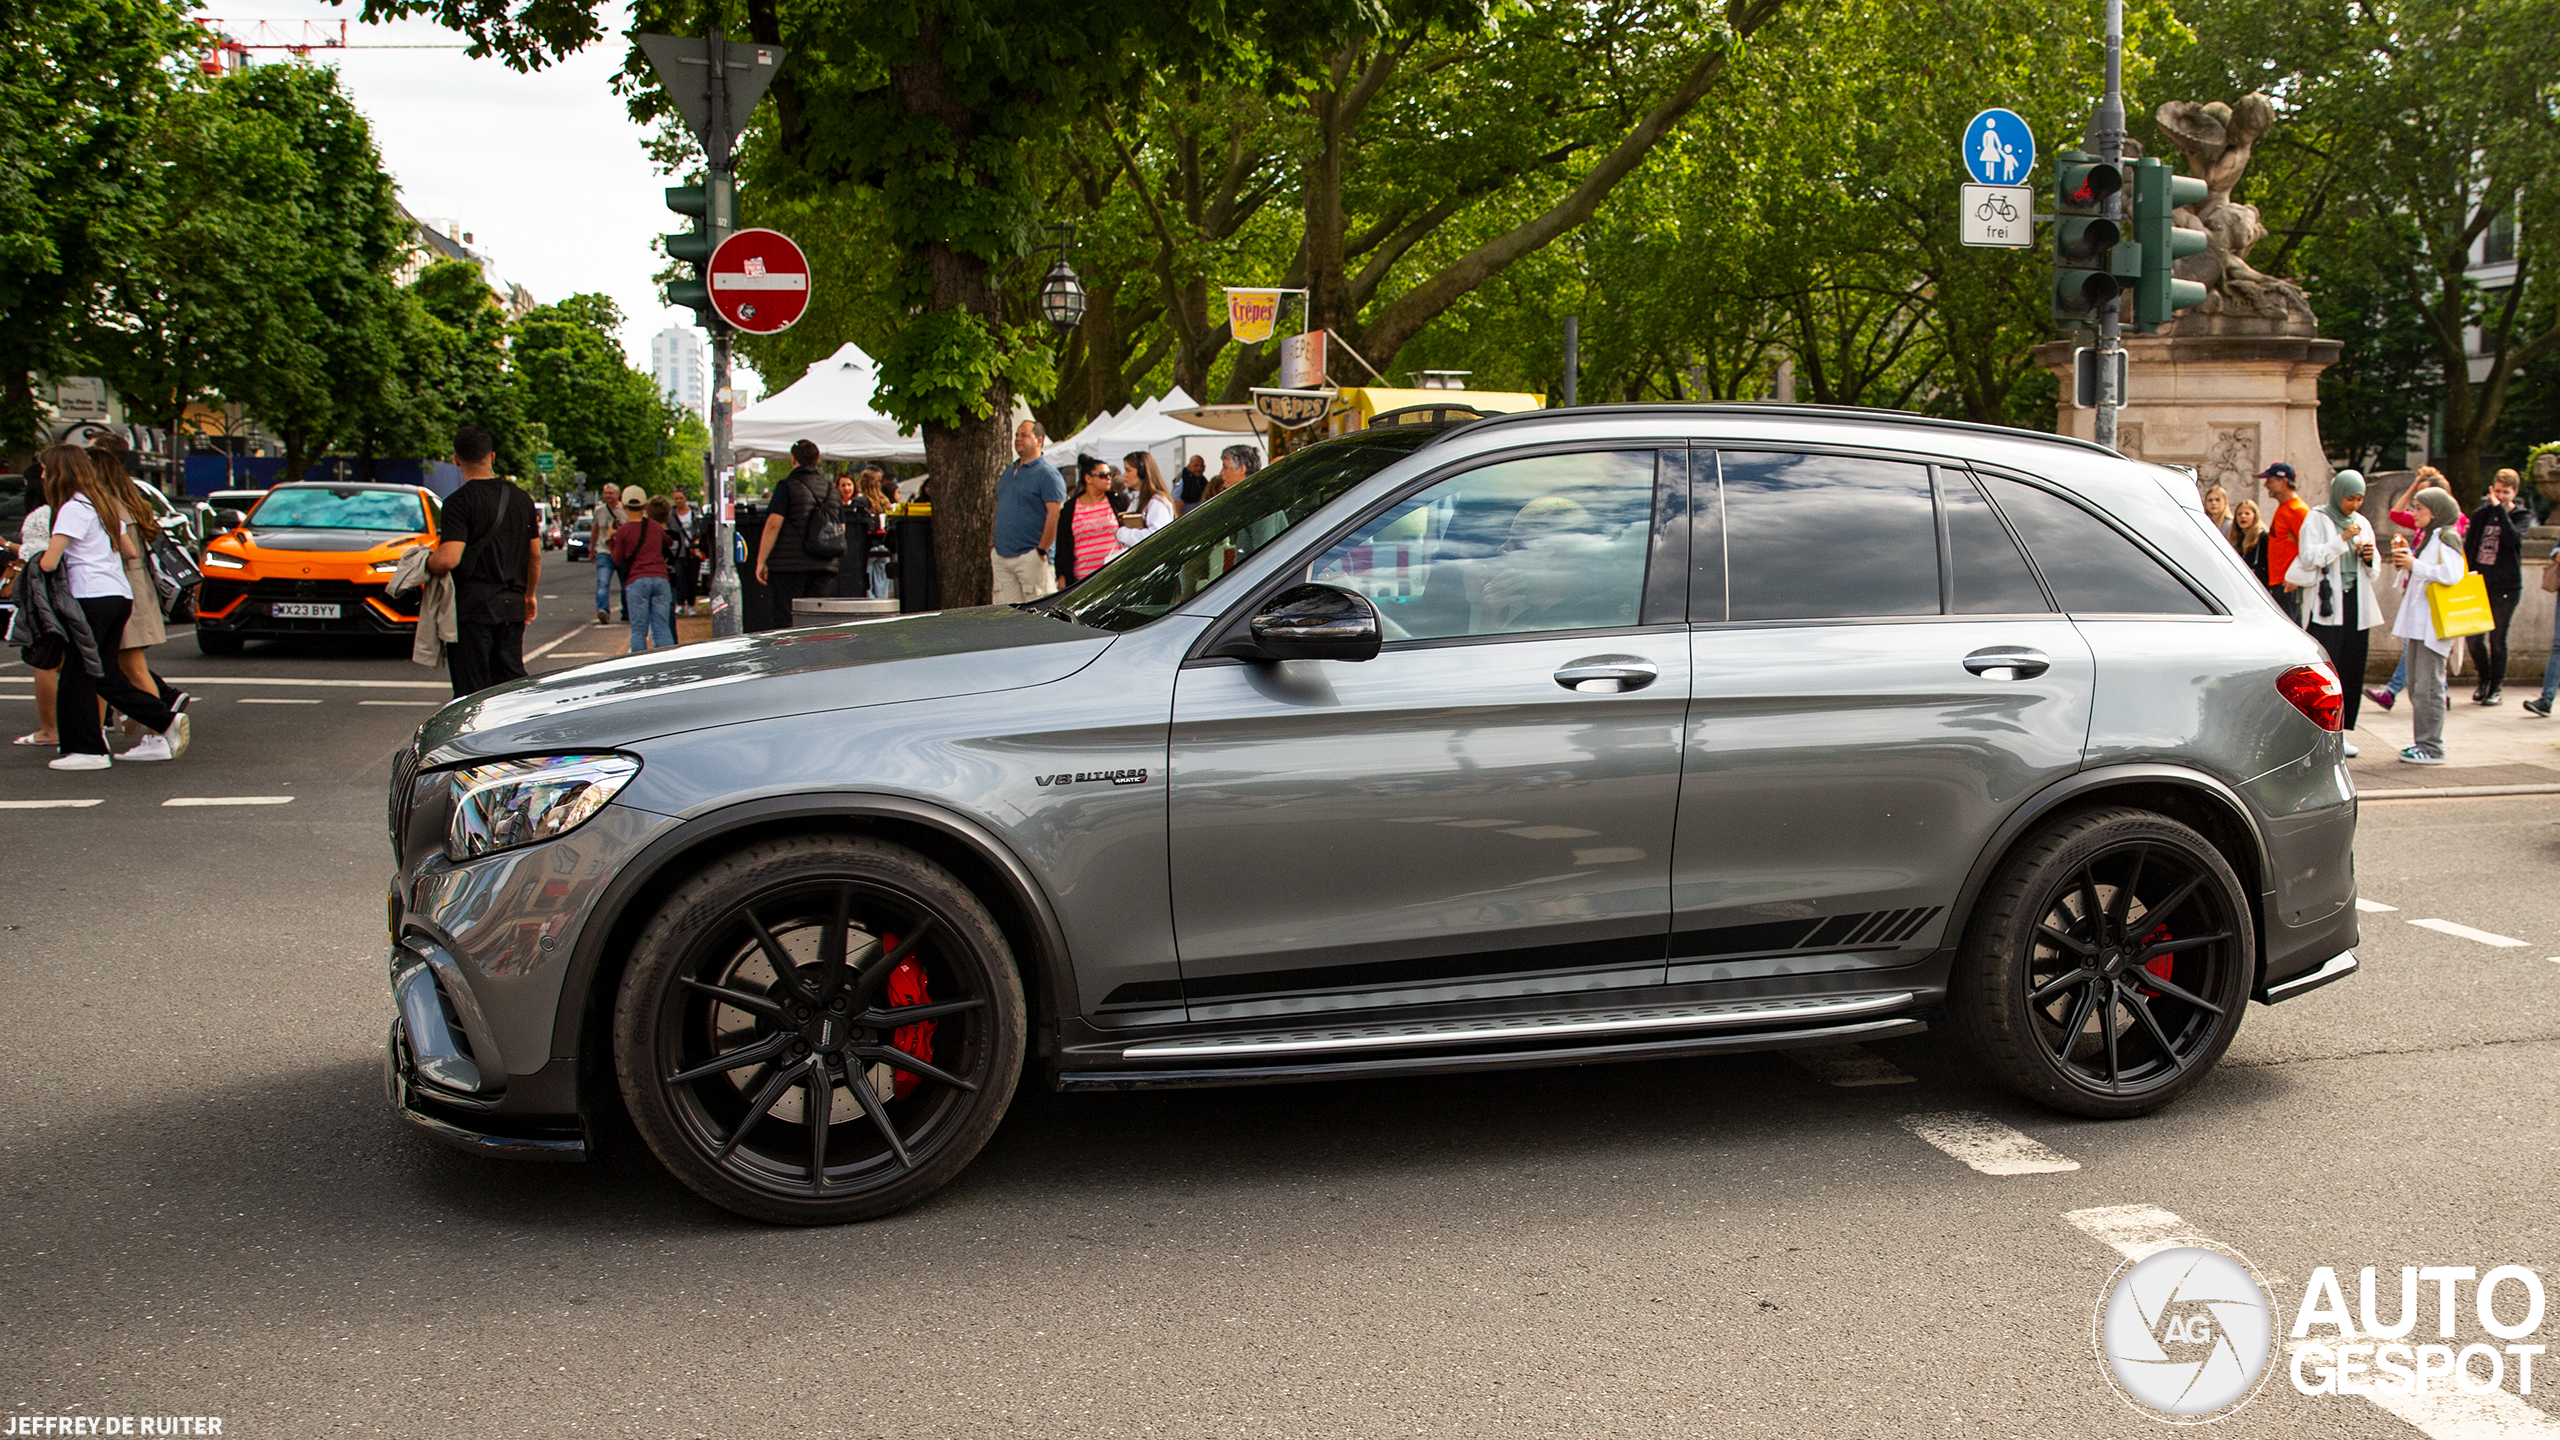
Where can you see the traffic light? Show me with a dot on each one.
(2156, 191)
(2085, 240)
(710, 205)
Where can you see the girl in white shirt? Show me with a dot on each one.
(1154, 508)
(83, 549)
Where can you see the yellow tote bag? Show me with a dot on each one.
(2461, 608)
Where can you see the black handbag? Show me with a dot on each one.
(173, 574)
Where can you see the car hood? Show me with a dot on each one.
(321, 542)
(759, 677)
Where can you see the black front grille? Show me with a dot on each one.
(353, 613)
(404, 779)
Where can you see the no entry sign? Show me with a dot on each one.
(759, 281)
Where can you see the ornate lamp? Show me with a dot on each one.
(1062, 296)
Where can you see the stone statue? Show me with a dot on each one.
(2217, 140)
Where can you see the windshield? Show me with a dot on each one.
(394, 511)
(1155, 577)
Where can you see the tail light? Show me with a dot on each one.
(2314, 690)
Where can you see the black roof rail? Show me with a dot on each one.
(1771, 408)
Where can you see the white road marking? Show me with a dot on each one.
(550, 645)
(2443, 1413)
(2465, 932)
(48, 804)
(184, 801)
(580, 654)
(1849, 1065)
(1986, 1144)
(269, 700)
(2375, 907)
(2134, 1230)
(399, 702)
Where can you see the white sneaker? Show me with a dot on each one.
(79, 762)
(151, 747)
(2351, 749)
(180, 734)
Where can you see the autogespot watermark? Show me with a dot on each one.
(2187, 1334)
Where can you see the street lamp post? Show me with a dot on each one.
(1062, 297)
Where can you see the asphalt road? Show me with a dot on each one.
(209, 1212)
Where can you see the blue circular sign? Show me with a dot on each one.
(1999, 149)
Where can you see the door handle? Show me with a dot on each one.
(2008, 662)
(1607, 674)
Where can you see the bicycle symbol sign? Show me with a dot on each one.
(1998, 148)
(1997, 215)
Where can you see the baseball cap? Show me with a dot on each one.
(2277, 471)
(633, 497)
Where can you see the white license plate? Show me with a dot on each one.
(292, 610)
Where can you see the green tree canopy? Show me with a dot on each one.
(607, 417)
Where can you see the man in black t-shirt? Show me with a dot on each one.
(491, 543)
(804, 499)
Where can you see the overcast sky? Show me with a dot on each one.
(546, 171)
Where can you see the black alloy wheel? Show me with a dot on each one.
(2109, 964)
(819, 1029)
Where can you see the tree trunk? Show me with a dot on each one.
(964, 461)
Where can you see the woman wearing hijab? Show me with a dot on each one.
(2338, 605)
(2434, 558)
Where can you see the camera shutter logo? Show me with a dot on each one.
(2187, 1333)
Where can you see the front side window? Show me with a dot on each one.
(1550, 542)
(395, 512)
(1218, 534)
(1828, 537)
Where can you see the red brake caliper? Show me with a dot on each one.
(907, 987)
(2165, 963)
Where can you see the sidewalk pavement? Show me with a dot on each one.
(2484, 745)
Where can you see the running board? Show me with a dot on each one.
(1570, 1025)
(1395, 1065)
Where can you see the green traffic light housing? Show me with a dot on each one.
(711, 206)
(2157, 192)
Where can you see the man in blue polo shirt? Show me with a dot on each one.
(1028, 496)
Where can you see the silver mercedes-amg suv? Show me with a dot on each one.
(1577, 735)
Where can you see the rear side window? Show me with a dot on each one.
(1828, 537)
(2092, 569)
(1991, 577)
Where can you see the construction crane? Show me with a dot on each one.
(234, 39)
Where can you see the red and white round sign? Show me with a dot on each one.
(759, 281)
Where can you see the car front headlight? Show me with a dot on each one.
(385, 567)
(508, 803)
(216, 560)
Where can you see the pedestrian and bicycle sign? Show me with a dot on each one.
(1998, 208)
(759, 281)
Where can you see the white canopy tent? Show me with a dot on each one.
(830, 406)
(1152, 427)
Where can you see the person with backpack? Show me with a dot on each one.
(642, 547)
(803, 538)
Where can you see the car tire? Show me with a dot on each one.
(214, 642)
(815, 956)
(2107, 964)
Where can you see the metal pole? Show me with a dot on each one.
(1572, 359)
(2106, 137)
(726, 596)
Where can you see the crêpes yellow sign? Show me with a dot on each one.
(1251, 314)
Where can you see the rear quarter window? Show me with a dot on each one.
(2091, 568)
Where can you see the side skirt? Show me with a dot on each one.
(1492, 1060)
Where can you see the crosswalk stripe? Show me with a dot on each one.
(271, 700)
(2133, 1230)
(48, 804)
(1848, 1066)
(1986, 1144)
(2465, 932)
(185, 801)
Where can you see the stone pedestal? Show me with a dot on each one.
(2227, 405)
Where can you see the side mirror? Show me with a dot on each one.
(226, 521)
(1316, 622)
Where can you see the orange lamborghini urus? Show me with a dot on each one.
(313, 559)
